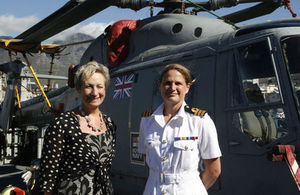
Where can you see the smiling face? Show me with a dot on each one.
(173, 87)
(92, 91)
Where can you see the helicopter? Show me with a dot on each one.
(247, 78)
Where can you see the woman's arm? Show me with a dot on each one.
(212, 170)
(51, 156)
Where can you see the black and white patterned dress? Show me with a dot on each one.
(74, 162)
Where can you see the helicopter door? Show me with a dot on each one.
(258, 116)
(290, 46)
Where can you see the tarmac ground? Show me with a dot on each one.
(11, 175)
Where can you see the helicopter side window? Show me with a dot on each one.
(256, 68)
(255, 89)
(291, 53)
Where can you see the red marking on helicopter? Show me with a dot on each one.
(118, 41)
(286, 152)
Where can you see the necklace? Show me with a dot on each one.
(88, 120)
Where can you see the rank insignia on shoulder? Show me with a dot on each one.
(147, 113)
(195, 111)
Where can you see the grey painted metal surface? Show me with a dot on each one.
(245, 165)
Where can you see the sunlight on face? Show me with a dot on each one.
(93, 91)
(173, 87)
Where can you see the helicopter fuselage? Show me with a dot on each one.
(225, 63)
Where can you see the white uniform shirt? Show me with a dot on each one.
(174, 150)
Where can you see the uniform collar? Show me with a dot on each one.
(181, 112)
(159, 110)
(159, 116)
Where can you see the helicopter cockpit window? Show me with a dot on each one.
(256, 72)
(255, 89)
(291, 53)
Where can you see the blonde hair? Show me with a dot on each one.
(87, 70)
(180, 68)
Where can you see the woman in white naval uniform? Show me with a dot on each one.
(175, 138)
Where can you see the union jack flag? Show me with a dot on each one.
(123, 85)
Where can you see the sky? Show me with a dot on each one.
(18, 15)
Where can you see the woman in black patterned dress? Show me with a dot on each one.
(79, 145)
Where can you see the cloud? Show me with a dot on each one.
(12, 26)
(93, 29)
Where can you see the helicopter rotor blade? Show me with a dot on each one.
(55, 49)
(77, 43)
(252, 12)
(70, 14)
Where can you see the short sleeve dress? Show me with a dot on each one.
(74, 162)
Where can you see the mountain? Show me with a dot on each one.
(73, 53)
(41, 62)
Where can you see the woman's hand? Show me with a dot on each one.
(212, 170)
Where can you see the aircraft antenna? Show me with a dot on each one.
(151, 2)
(219, 17)
(182, 7)
(287, 4)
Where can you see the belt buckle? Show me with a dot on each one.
(162, 178)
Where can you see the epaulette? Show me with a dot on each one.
(147, 113)
(195, 111)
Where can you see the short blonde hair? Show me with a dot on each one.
(87, 70)
(180, 68)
